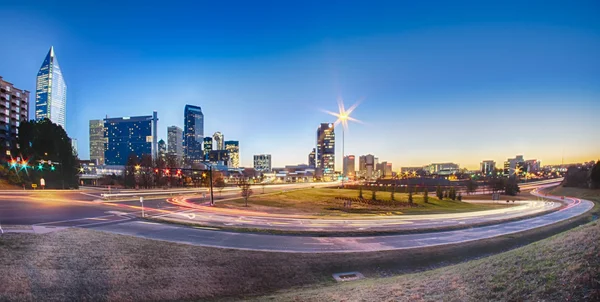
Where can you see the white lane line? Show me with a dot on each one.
(59, 221)
(103, 222)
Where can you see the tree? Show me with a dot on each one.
(360, 192)
(410, 197)
(393, 191)
(48, 142)
(595, 175)
(373, 192)
(511, 187)
(130, 171)
(425, 195)
(219, 183)
(471, 186)
(445, 193)
(459, 197)
(439, 192)
(145, 170)
(246, 191)
(452, 193)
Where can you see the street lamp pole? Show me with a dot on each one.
(344, 169)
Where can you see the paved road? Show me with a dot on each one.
(305, 244)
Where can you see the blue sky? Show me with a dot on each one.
(439, 81)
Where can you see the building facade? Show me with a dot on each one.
(14, 109)
(162, 149)
(218, 138)
(208, 146)
(219, 157)
(436, 168)
(325, 151)
(129, 135)
(175, 143)
(51, 92)
(233, 148)
(193, 133)
(262, 162)
(349, 169)
(97, 141)
(366, 166)
(312, 156)
(487, 167)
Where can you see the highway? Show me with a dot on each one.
(308, 244)
(50, 210)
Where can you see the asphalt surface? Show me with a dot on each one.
(307, 244)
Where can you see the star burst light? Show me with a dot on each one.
(343, 114)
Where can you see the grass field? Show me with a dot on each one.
(84, 265)
(322, 202)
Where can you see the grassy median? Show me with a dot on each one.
(322, 201)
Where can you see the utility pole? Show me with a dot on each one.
(212, 201)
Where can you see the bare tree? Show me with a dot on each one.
(219, 183)
(244, 186)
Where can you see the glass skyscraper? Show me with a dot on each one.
(193, 133)
(326, 150)
(129, 135)
(233, 148)
(51, 92)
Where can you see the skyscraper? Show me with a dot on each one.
(162, 149)
(97, 141)
(233, 147)
(262, 162)
(175, 143)
(219, 143)
(16, 110)
(193, 133)
(208, 146)
(311, 158)
(51, 92)
(349, 166)
(326, 150)
(127, 135)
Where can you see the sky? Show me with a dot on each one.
(448, 81)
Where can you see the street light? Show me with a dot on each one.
(343, 116)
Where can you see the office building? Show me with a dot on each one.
(193, 134)
(129, 135)
(312, 156)
(233, 148)
(513, 164)
(532, 166)
(74, 146)
(14, 109)
(442, 168)
(208, 143)
(97, 141)
(218, 141)
(219, 157)
(262, 162)
(487, 167)
(175, 144)
(387, 169)
(349, 166)
(366, 166)
(326, 151)
(51, 92)
(162, 149)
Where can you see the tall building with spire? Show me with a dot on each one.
(51, 92)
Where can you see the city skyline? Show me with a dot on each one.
(430, 94)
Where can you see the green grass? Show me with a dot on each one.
(321, 201)
(589, 194)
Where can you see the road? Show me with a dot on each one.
(58, 209)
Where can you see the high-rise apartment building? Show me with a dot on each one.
(97, 141)
(312, 156)
(129, 135)
(219, 143)
(74, 146)
(366, 166)
(51, 92)
(349, 166)
(14, 109)
(487, 167)
(175, 143)
(262, 162)
(233, 148)
(208, 146)
(326, 150)
(193, 133)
